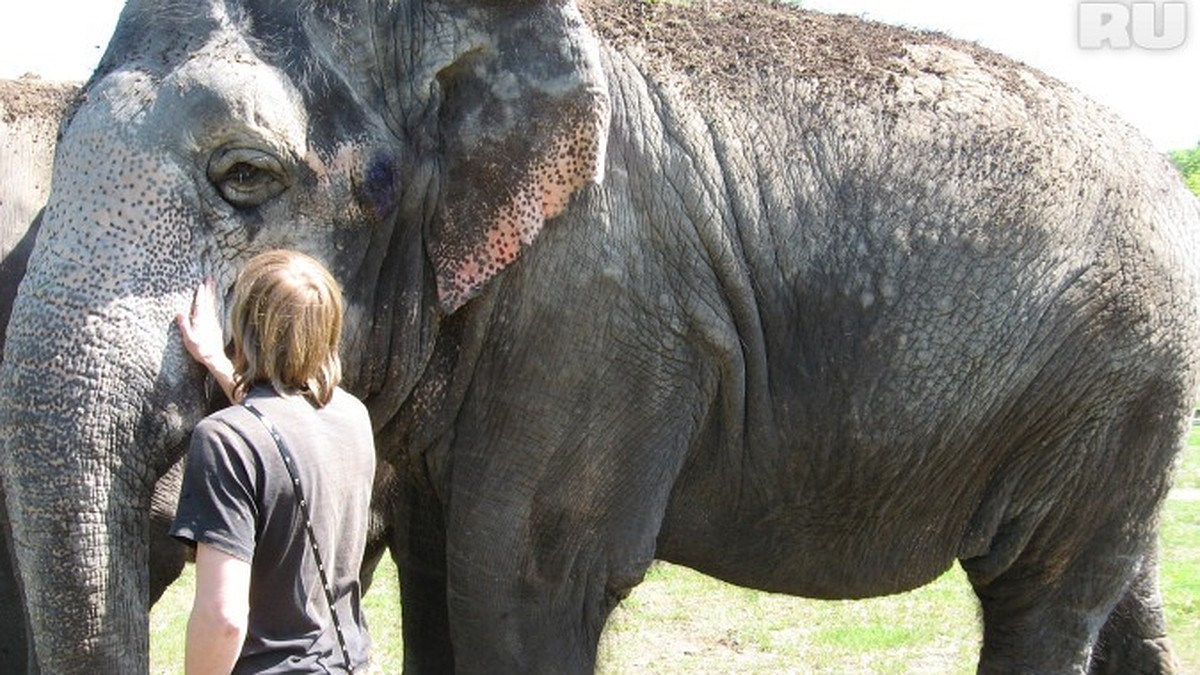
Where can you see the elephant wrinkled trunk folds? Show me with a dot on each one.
(77, 423)
(59, 473)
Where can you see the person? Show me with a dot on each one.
(260, 606)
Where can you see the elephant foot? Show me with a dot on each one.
(1135, 657)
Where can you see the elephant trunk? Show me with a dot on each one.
(83, 559)
(83, 446)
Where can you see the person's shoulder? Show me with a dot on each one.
(224, 422)
(347, 401)
(223, 433)
(231, 415)
(350, 407)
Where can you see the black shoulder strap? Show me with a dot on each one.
(290, 464)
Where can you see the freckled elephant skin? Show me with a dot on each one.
(809, 304)
(30, 113)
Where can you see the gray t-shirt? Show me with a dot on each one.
(238, 498)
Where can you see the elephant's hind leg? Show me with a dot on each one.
(1046, 593)
(1052, 609)
(1029, 631)
(1068, 583)
(1134, 638)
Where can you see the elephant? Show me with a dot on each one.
(806, 303)
(30, 111)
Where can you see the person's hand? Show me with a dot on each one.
(203, 337)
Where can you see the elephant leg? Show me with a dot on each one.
(536, 562)
(520, 606)
(419, 548)
(1134, 638)
(167, 555)
(167, 558)
(1033, 623)
(386, 493)
(1056, 572)
(1043, 611)
(372, 556)
(16, 647)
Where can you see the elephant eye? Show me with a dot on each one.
(247, 177)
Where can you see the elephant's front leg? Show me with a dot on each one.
(542, 545)
(531, 585)
(418, 546)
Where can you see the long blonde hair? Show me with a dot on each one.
(287, 325)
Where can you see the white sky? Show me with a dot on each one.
(1159, 92)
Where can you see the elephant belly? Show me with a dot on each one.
(829, 548)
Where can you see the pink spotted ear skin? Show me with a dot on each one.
(575, 159)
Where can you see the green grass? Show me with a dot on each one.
(1188, 474)
(382, 607)
(168, 624)
(1180, 577)
(679, 621)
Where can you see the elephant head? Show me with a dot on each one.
(414, 146)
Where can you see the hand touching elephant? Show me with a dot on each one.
(819, 312)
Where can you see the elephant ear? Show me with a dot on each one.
(524, 124)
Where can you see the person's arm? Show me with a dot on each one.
(203, 337)
(216, 628)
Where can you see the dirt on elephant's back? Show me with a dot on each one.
(723, 45)
(33, 97)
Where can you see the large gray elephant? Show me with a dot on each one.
(30, 112)
(809, 304)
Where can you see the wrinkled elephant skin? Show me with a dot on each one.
(817, 312)
(30, 112)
